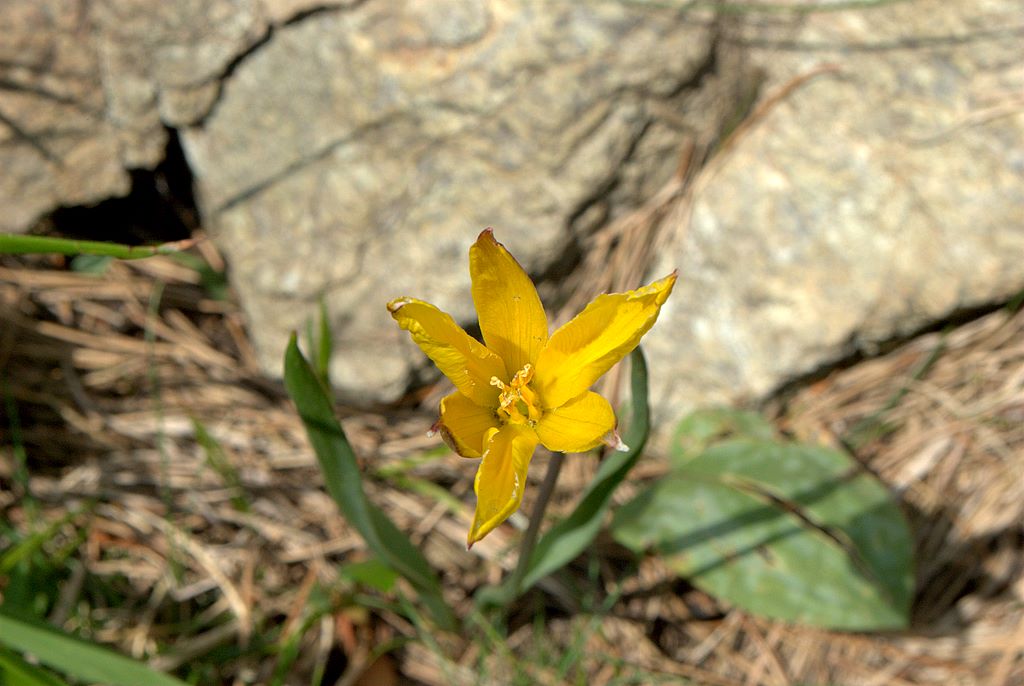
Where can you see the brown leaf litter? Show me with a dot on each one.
(107, 384)
(109, 375)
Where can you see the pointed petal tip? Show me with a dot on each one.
(512, 318)
(398, 303)
(472, 536)
(613, 440)
(666, 283)
(486, 237)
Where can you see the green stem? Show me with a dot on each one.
(530, 537)
(16, 244)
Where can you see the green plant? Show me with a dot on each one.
(790, 531)
(32, 567)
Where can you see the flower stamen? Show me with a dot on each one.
(517, 402)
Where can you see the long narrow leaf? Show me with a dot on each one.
(344, 484)
(324, 344)
(571, 536)
(77, 658)
(15, 670)
(27, 547)
(16, 244)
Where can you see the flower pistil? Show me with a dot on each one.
(517, 402)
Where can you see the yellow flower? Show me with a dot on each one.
(520, 387)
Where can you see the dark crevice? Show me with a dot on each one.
(320, 9)
(231, 67)
(692, 81)
(559, 269)
(573, 254)
(859, 352)
(304, 161)
(159, 207)
(706, 69)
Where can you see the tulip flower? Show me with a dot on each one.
(520, 387)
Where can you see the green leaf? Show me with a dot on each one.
(324, 345)
(429, 489)
(91, 264)
(794, 532)
(77, 658)
(33, 543)
(15, 671)
(320, 344)
(218, 461)
(702, 428)
(17, 244)
(568, 538)
(214, 283)
(343, 480)
(372, 573)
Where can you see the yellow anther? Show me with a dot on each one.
(517, 402)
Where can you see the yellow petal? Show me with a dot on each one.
(464, 424)
(459, 356)
(512, 319)
(501, 478)
(594, 340)
(578, 426)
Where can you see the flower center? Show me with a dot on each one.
(517, 403)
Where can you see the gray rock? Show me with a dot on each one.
(163, 62)
(869, 203)
(86, 90)
(55, 142)
(358, 153)
(354, 149)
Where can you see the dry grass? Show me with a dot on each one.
(941, 420)
(107, 385)
(216, 568)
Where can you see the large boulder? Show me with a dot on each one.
(88, 89)
(357, 153)
(57, 147)
(871, 201)
(352, 150)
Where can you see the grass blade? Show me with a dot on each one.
(16, 244)
(15, 670)
(218, 461)
(324, 345)
(343, 480)
(77, 658)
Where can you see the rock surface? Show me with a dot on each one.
(870, 202)
(354, 149)
(358, 153)
(87, 89)
(56, 145)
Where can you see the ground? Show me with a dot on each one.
(189, 525)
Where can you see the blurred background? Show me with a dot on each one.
(840, 185)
